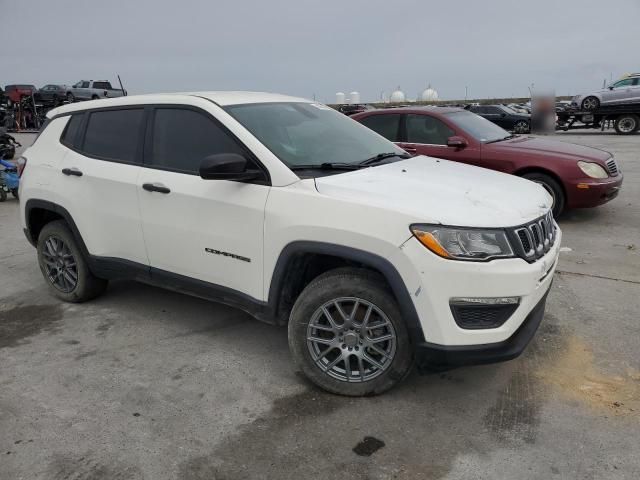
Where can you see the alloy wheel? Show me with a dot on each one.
(351, 339)
(590, 103)
(521, 127)
(60, 265)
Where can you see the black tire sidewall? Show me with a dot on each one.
(348, 282)
(88, 286)
(559, 205)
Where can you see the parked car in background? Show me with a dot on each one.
(504, 117)
(319, 224)
(351, 109)
(626, 90)
(52, 94)
(16, 93)
(93, 90)
(575, 176)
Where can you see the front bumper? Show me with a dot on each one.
(592, 192)
(431, 357)
(433, 281)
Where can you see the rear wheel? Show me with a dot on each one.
(64, 267)
(94, 97)
(627, 124)
(590, 103)
(70, 97)
(552, 187)
(347, 335)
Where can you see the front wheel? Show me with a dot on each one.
(590, 103)
(70, 97)
(553, 188)
(64, 267)
(627, 124)
(347, 335)
(521, 126)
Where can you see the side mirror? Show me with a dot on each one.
(457, 142)
(611, 87)
(226, 166)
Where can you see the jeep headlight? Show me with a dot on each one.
(476, 244)
(592, 170)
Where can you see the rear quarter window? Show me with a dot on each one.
(69, 136)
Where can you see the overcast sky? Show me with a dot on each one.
(494, 47)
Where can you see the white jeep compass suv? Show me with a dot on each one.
(298, 215)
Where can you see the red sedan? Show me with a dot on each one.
(576, 176)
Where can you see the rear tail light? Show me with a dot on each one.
(21, 163)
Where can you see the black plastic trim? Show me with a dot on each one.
(398, 287)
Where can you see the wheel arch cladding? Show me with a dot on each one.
(283, 279)
(40, 212)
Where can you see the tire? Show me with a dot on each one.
(521, 126)
(3, 194)
(552, 187)
(70, 97)
(590, 103)
(14, 192)
(58, 252)
(627, 124)
(10, 152)
(94, 97)
(349, 342)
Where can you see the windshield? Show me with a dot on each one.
(479, 128)
(310, 134)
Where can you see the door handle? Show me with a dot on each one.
(72, 171)
(156, 187)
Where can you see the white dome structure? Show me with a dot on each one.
(429, 95)
(397, 96)
(354, 97)
(340, 98)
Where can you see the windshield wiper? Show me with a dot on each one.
(508, 137)
(382, 156)
(327, 166)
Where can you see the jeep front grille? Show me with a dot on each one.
(612, 167)
(534, 239)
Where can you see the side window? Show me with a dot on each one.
(182, 138)
(385, 125)
(70, 134)
(493, 110)
(84, 85)
(623, 83)
(114, 134)
(426, 129)
(101, 85)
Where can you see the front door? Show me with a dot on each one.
(428, 135)
(210, 230)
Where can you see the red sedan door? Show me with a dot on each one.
(425, 134)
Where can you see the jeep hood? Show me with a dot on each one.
(431, 190)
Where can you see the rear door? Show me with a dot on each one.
(209, 230)
(425, 134)
(99, 178)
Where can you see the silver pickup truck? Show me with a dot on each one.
(93, 90)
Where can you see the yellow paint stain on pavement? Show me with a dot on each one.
(573, 374)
